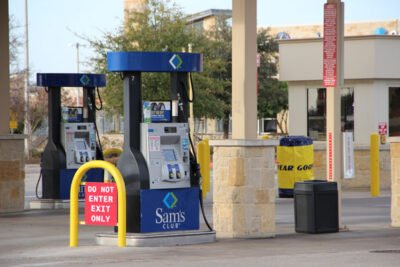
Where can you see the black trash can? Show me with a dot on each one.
(316, 207)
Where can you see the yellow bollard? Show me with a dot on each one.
(206, 181)
(74, 206)
(112, 151)
(203, 157)
(374, 165)
(265, 137)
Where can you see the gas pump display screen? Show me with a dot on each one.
(80, 145)
(169, 155)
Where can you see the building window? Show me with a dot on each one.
(267, 125)
(316, 112)
(282, 36)
(200, 125)
(347, 112)
(219, 125)
(198, 26)
(394, 111)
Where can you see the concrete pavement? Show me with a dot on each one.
(40, 238)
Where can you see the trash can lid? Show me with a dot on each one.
(295, 141)
(320, 186)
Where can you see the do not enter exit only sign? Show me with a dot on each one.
(101, 204)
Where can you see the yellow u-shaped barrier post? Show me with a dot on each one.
(74, 208)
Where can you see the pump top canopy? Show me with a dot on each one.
(154, 62)
(70, 80)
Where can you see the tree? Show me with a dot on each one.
(15, 45)
(38, 97)
(161, 27)
(218, 69)
(272, 93)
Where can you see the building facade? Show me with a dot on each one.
(370, 96)
(386, 27)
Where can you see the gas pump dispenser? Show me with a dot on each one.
(160, 173)
(72, 133)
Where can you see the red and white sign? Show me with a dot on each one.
(330, 45)
(382, 128)
(330, 157)
(101, 204)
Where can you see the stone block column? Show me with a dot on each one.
(244, 188)
(12, 173)
(395, 168)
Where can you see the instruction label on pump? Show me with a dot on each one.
(154, 143)
(185, 144)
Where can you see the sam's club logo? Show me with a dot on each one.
(170, 200)
(176, 61)
(85, 80)
(166, 218)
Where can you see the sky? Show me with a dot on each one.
(54, 24)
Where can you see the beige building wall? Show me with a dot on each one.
(351, 29)
(297, 109)
(371, 106)
(209, 23)
(366, 57)
(371, 67)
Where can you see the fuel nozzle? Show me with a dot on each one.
(195, 175)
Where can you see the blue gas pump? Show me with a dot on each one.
(160, 171)
(72, 133)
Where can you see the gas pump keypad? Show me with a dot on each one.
(165, 148)
(79, 142)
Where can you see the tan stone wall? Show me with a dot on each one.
(244, 194)
(12, 175)
(112, 141)
(395, 162)
(362, 172)
(135, 5)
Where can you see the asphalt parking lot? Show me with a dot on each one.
(41, 238)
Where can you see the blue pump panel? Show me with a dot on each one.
(66, 176)
(169, 209)
(154, 62)
(70, 80)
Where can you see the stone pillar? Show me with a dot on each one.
(244, 188)
(333, 108)
(4, 69)
(244, 69)
(395, 161)
(12, 173)
(134, 6)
